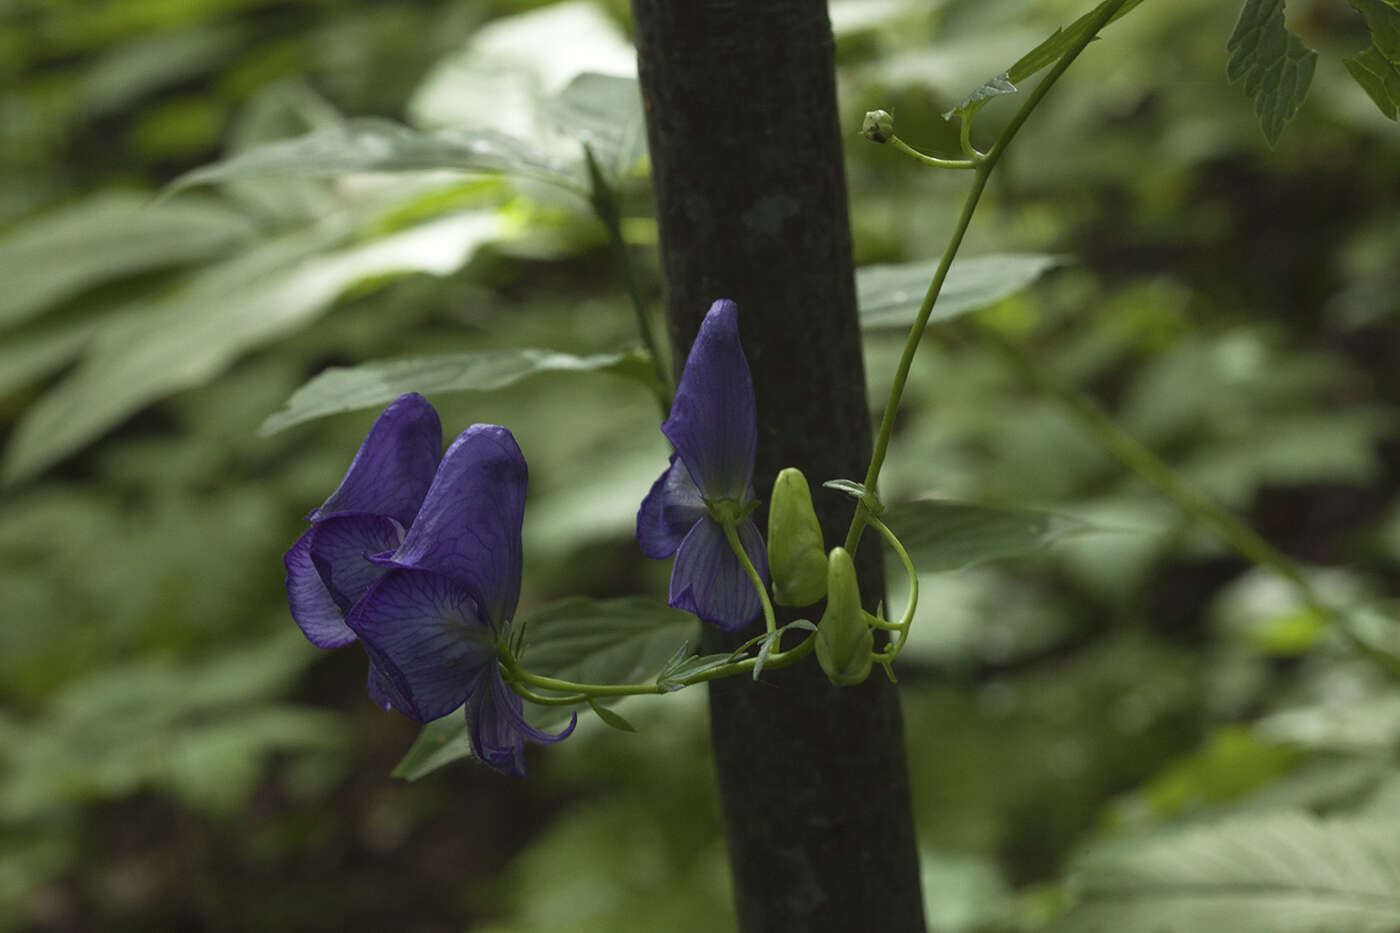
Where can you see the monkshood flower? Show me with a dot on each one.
(432, 622)
(329, 568)
(713, 428)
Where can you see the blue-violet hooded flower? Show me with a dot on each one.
(329, 568)
(432, 622)
(713, 428)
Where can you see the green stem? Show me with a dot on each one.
(979, 183)
(731, 534)
(902, 627)
(929, 160)
(1192, 502)
(607, 207)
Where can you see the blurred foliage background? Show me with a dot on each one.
(173, 756)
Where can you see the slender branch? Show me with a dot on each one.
(979, 184)
(606, 206)
(1191, 501)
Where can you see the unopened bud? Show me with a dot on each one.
(844, 639)
(878, 126)
(796, 555)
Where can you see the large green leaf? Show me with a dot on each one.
(1383, 20)
(944, 535)
(1283, 872)
(1273, 63)
(191, 335)
(1043, 55)
(605, 113)
(350, 388)
(584, 640)
(373, 144)
(625, 640)
(1378, 77)
(889, 295)
(106, 237)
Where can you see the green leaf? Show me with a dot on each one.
(1379, 78)
(341, 389)
(849, 486)
(608, 641)
(944, 535)
(1383, 20)
(32, 356)
(106, 237)
(603, 112)
(1273, 63)
(373, 144)
(611, 718)
(189, 336)
(680, 667)
(769, 641)
(1287, 872)
(1042, 56)
(889, 295)
(440, 742)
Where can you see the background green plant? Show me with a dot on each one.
(175, 756)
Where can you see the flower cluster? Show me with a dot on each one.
(421, 562)
(419, 559)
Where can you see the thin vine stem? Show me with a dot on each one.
(979, 183)
(1193, 503)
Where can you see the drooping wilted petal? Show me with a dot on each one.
(709, 581)
(497, 727)
(425, 634)
(341, 548)
(668, 512)
(468, 528)
(713, 423)
(393, 467)
(313, 609)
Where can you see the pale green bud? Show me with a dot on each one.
(844, 640)
(878, 126)
(796, 555)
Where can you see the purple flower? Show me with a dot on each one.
(713, 428)
(432, 622)
(329, 568)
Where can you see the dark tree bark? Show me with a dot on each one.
(751, 196)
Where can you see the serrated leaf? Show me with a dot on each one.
(107, 237)
(1273, 63)
(1383, 20)
(1047, 53)
(611, 718)
(373, 144)
(609, 641)
(944, 535)
(371, 385)
(1284, 872)
(191, 335)
(1379, 78)
(889, 295)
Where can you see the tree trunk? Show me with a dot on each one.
(751, 197)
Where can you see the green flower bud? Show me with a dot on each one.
(796, 557)
(844, 640)
(878, 126)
